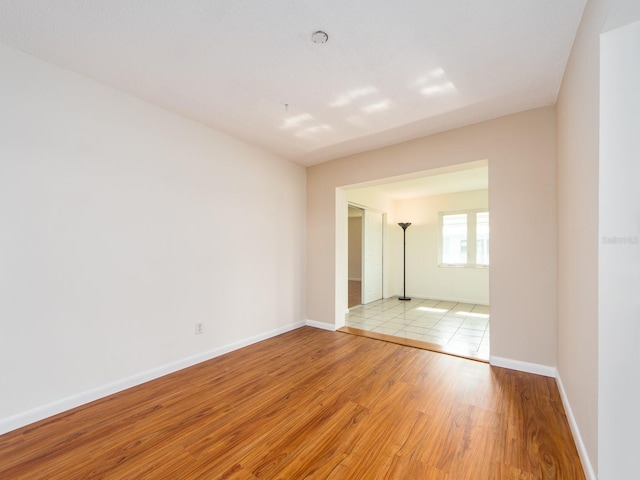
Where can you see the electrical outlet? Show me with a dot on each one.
(199, 328)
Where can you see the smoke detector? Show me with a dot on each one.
(319, 37)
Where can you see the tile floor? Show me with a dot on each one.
(455, 327)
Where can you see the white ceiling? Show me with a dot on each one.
(390, 71)
(469, 179)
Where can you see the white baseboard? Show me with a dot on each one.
(322, 325)
(441, 298)
(577, 438)
(39, 413)
(548, 371)
(527, 367)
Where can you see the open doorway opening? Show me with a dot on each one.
(447, 261)
(355, 256)
(365, 255)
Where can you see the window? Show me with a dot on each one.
(454, 239)
(460, 231)
(482, 238)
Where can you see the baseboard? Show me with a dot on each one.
(527, 367)
(442, 299)
(39, 413)
(463, 300)
(577, 438)
(322, 325)
(548, 371)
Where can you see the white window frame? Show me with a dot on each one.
(471, 239)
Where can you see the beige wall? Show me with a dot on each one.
(578, 235)
(578, 230)
(521, 152)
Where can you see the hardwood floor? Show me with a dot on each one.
(310, 404)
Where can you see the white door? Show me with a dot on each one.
(371, 256)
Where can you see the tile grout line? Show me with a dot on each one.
(382, 309)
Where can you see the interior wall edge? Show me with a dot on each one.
(322, 325)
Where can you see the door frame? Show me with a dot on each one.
(365, 209)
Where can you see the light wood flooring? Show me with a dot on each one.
(310, 404)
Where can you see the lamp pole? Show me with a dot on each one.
(404, 261)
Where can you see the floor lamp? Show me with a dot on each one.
(404, 261)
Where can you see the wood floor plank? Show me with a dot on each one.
(410, 467)
(310, 404)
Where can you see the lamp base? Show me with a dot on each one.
(404, 298)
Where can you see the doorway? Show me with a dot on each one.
(365, 255)
(355, 256)
(449, 311)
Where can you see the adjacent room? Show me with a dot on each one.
(182, 184)
(432, 292)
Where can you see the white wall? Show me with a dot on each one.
(121, 225)
(619, 255)
(578, 236)
(425, 279)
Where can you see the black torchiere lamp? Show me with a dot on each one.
(404, 261)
